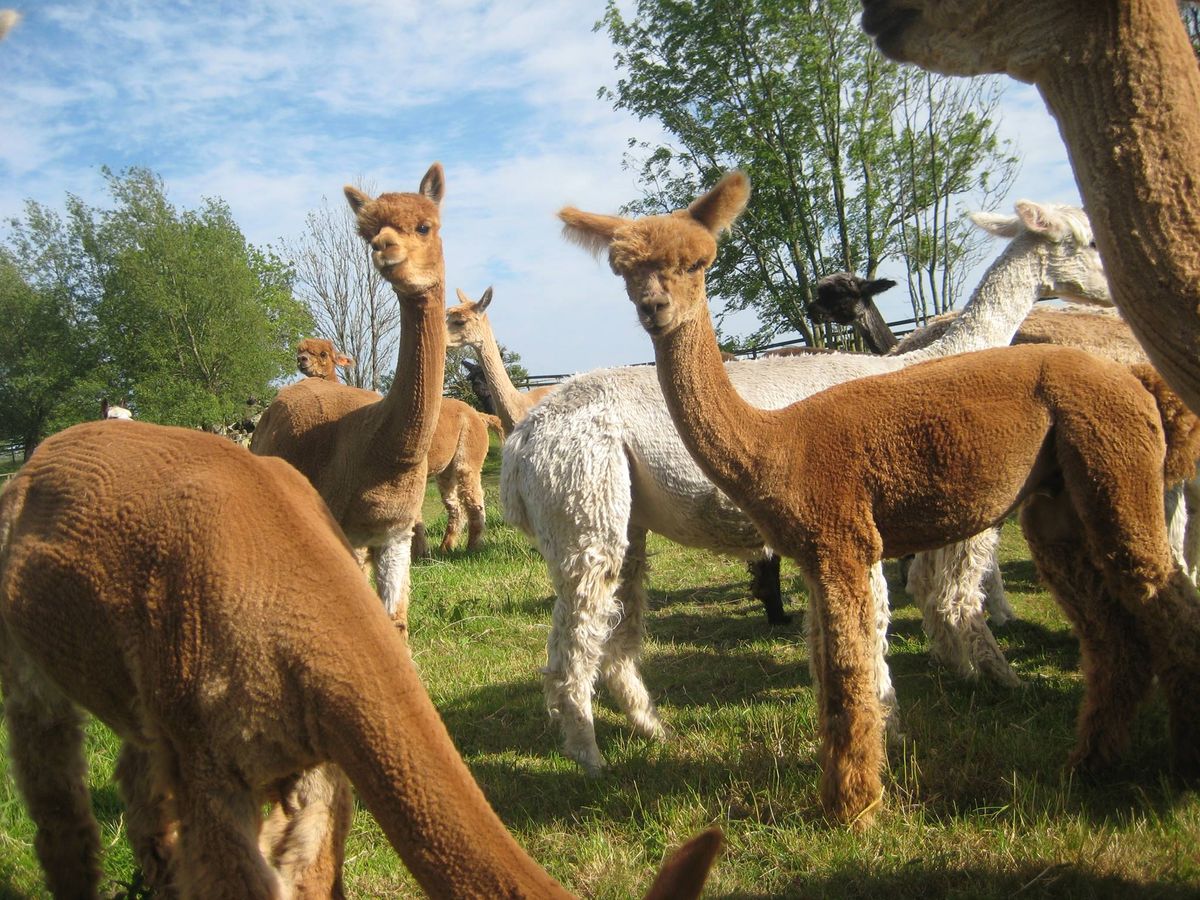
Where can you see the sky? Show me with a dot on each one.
(273, 106)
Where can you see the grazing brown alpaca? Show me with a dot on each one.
(1121, 79)
(202, 603)
(456, 453)
(922, 457)
(367, 456)
(467, 325)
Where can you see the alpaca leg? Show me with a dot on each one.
(392, 572)
(1114, 655)
(150, 820)
(219, 822)
(619, 662)
(1176, 511)
(584, 612)
(765, 587)
(847, 697)
(45, 738)
(995, 598)
(304, 837)
(1172, 621)
(448, 487)
(470, 490)
(1191, 533)
(883, 675)
(420, 544)
(946, 586)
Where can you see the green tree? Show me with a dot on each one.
(195, 320)
(853, 160)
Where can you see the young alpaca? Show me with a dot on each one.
(457, 451)
(597, 465)
(366, 456)
(467, 325)
(922, 457)
(1121, 80)
(179, 589)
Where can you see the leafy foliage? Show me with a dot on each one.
(171, 312)
(853, 160)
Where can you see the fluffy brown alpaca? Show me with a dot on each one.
(456, 453)
(467, 325)
(893, 464)
(1121, 79)
(8, 20)
(203, 603)
(367, 456)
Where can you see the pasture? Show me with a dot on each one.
(977, 805)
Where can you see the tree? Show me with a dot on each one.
(458, 386)
(352, 305)
(46, 358)
(854, 161)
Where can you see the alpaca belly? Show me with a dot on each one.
(695, 515)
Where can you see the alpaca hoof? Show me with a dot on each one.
(780, 619)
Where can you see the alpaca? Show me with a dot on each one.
(456, 453)
(179, 588)
(317, 358)
(918, 458)
(847, 299)
(367, 456)
(8, 20)
(479, 385)
(1121, 80)
(597, 465)
(467, 325)
(114, 411)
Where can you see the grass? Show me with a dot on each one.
(978, 803)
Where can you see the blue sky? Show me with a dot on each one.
(272, 106)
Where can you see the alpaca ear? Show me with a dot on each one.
(591, 231)
(462, 295)
(878, 286)
(718, 209)
(356, 198)
(997, 224)
(342, 359)
(433, 185)
(470, 366)
(485, 299)
(1041, 219)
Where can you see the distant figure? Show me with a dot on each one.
(113, 412)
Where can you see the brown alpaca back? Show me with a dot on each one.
(179, 588)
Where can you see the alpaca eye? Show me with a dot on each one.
(423, 228)
(696, 266)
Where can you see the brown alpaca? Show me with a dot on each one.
(1121, 79)
(456, 453)
(202, 603)
(909, 461)
(367, 456)
(467, 325)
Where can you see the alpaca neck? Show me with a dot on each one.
(1128, 107)
(1000, 303)
(378, 723)
(873, 329)
(511, 404)
(410, 409)
(726, 436)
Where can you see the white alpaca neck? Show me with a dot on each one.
(996, 309)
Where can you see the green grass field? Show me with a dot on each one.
(977, 805)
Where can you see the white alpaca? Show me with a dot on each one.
(597, 465)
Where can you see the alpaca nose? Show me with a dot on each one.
(651, 306)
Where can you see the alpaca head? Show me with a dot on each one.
(1060, 239)
(843, 297)
(402, 231)
(316, 358)
(466, 324)
(976, 37)
(663, 258)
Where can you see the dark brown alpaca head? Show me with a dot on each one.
(663, 258)
(403, 233)
(317, 358)
(844, 297)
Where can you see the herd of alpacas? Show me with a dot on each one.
(209, 604)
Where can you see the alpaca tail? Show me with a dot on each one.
(1181, 426)
(494, 423)
(684, 874)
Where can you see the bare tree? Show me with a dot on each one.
(351, 304)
